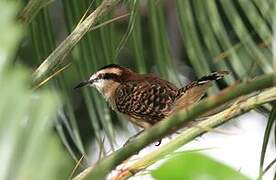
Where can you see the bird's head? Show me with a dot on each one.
(107, 79)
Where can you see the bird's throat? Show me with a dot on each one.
(108, 89)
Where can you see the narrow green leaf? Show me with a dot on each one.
(191, 39)
(137, 42)
(209, 38)
(270, 122)
(10, 32)
(224, 41)
(31, 9)
(244, 35)
(29, 148)
(133, 6)
(162, 57)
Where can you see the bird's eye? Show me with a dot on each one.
(100, 76)
(107, 76)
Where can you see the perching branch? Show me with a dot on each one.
(64, 48)
(237, 108)
(163, 128)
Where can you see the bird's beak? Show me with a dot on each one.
(83, 83)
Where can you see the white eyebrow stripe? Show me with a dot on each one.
(111, 71)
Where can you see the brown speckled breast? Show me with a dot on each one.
(149, 100)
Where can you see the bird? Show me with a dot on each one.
(145, 98)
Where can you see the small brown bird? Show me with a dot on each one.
(145, 98)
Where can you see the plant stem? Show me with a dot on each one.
(65, 47)
(164, 127)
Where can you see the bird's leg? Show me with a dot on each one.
(132, 137)
(139, 122)
(144, 125)
(158, 142)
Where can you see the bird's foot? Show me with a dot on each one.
(132, 138)
(158, 142)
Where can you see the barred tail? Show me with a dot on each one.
(203, 81)
(191, 93)
(212, 77)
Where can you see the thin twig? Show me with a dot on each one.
(109, 21)
(76, 167)
(269, 166)
(51, 76)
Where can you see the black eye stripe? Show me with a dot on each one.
(108, 76)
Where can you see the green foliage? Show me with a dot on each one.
(270, 122)
(32, 8)
(10, 32)
(29, 148)
(190, 166)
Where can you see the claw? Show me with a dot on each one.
(158, 142)
(133, 137)
(127, 142)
